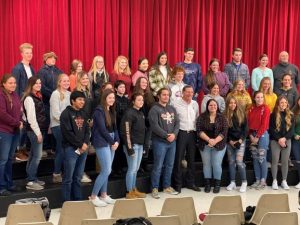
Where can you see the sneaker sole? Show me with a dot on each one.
(35, 189)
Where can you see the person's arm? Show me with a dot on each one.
(264, 122)
(247, 78)
(67, 130)
(226, 86)
(254, 85)
(31, 115)
(224, 130)
(199, 80)
(54, 106)
(154, 123)
(227, 69)
(203, 104)
(204, 85)
(222, 104)
(290, 133)
(176, 125)
(153, 81)
(127, 125)
(16, 73)
(271, 77)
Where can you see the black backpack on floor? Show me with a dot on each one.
(43, 201)
(133, 221)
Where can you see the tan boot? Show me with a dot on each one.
(139, 194)
(131, 195)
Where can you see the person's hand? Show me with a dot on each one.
(282, 142)
(40, 138)
(171, 137)
(83, 148)
(115, 146)
(232, 143)
(212, 142)
(255, 140)
(297, 137)
(21, 125)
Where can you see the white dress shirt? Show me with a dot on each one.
(187, 114)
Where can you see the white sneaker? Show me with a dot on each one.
(85, 178)
(243, 187)
(108, 200)
(275, 185)
(98, 203)
(298, 186)
(231, 186)
(284, 185)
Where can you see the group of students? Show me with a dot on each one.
(154, 109)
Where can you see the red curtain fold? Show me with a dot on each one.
(85, 28)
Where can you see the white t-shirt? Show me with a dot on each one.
(28, 71)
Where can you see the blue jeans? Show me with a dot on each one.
(58, 150)
(35, 156)
(212, 162)
(105, 157)
(133, 166)
(73, 171)
(235, 158)
(296, 151)
(163, 155)
(259, 154)
(8, 145)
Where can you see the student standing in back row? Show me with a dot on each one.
(237, 69)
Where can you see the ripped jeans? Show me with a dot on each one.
(259, 154)
(235, 159)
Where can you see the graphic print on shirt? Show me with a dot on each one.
(79, 122)
(168, 117)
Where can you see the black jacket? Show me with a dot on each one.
(74, 128)
(237, 131)
(122, 104)
(133, 129)
(48, 75)
(276, 135)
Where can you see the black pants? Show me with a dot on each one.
(186, 143)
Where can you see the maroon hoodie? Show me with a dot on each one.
(10, 112)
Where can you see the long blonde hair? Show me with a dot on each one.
(58, 87)
(116, 66)
(80, 75)
(236, 82)
(270, 91)
(288, 117)
(238, 112)
(93, 70)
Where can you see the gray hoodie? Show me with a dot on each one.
(163, 121)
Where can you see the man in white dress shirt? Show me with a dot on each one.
(188, 112)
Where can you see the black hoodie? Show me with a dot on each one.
(74, 128)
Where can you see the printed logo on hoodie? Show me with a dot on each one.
(79, 122)
(168, 117)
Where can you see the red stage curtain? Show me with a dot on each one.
(85, 28)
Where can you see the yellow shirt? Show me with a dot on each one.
(244, 99)
(270, 100)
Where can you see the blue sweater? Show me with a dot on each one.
(100, 135)
(192, 75)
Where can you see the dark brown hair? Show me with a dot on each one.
(111, 111)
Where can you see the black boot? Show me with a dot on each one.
(207, 186)
(217, 186)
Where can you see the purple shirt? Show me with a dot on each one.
(222, 80)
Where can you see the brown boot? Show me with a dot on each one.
(131, 195)
(139, 194)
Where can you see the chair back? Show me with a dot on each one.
(279, 218)
(224, 219)
(126, 208)
(183, 207)
(24, 213)
(163, 220)
(270, 203)
(73, 212)
(227, 204)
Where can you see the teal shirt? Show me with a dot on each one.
(258, 75)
